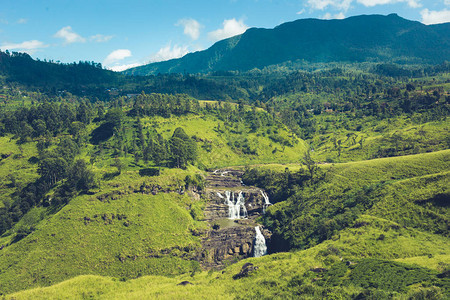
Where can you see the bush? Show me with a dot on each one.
(149, 172)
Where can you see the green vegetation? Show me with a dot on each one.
(335, 268)
(102, 179)
(105, 190)
(406, 190)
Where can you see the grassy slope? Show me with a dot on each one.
(378, 138)
(118, 238)
(121, 235)
(382, 235)
(393, 185)
(16, 166)
(278, 274)
(65, 244)
(205, 128)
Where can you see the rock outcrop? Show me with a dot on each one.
(230, 240)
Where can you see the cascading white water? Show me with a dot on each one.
(260, 248)
(266, 201)
(240, 203)
(234, 208)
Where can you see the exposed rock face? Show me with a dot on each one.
(229, 240)
(224, 179)
(230, 180)
(227, 244)
(245, 271)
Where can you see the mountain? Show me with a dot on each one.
(79, 78)
(356, 39)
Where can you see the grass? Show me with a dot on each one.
(381, 138)
(281, 275)
(121, 241)
(376, 242)
(16, 169)
(122, 237)
(222, 153)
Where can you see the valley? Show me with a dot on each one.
(246, 175)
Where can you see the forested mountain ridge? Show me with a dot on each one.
(374, 38)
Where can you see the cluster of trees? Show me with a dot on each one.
(84, 78)
(302, 223)
(177, 151)
(48, 119)
(163, 105)
(58, 169)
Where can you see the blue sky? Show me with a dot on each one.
(122, 34)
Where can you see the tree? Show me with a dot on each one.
(157, 149)
(118, 164)
(67, 149)
(115, 117)
(309, 163)
(80, 177)
(182, 148)
(52, 169)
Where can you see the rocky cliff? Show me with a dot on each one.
(230, 240)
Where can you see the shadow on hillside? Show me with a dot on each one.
(102, 133)
(111, 175)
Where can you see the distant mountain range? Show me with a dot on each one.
(362, 38)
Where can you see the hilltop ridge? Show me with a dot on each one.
(373, 38)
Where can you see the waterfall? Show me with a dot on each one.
(234, 208)
(266, 201)
(240, 202)
(260, 248)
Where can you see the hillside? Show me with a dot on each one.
(116, 195)
(78, 78)
(131, 185)
(354, 261)
(373, 38)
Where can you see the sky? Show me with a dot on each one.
(123, 34)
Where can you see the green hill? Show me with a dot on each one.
(355, 39)
(106, 198)
(396, 248)
(138, 216)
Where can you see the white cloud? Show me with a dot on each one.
(169, 52)
(345, 4)
(303, 10)
(230, 28)
(116, 56)
(69, 36)
(120, 68)
(329, 16)
(371, 3)
(435, 17)
(100, 38)
(191, 27)
(337, 4)
(29, 47)
(414, 4)
(22, 21)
